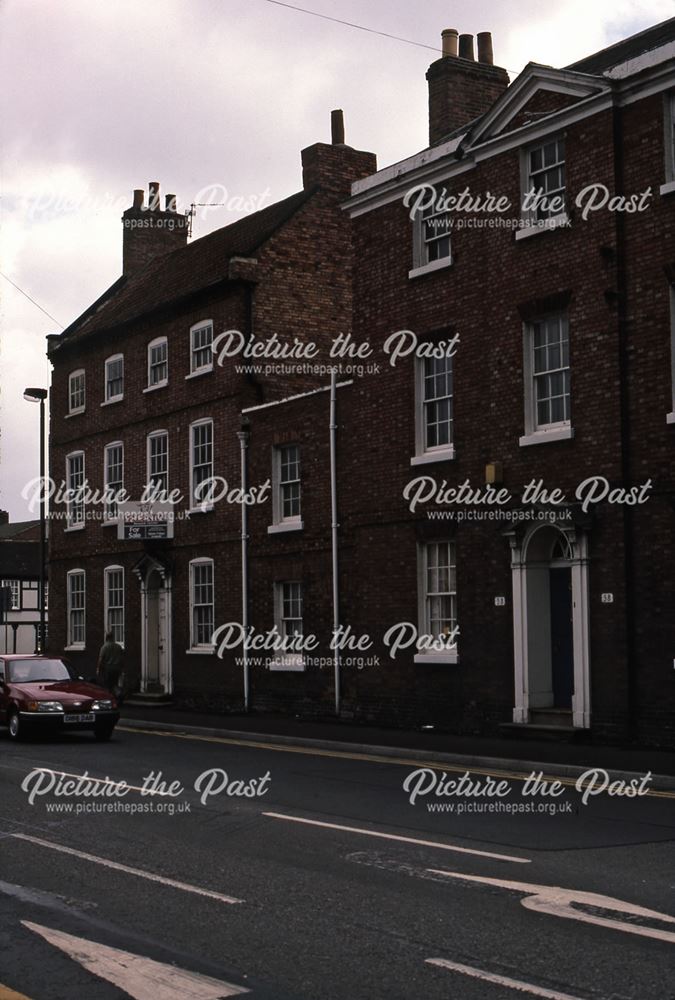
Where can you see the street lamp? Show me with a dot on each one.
(39, 396)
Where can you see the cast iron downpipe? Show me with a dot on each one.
(243, 436)
(625, 423)
(334, 534)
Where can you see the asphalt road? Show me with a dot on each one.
(168, 896)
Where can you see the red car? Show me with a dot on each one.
(41, 694)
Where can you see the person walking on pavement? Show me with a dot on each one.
(110, 663)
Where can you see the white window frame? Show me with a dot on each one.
(196, 505)
(75, 512)
(71, 643)
(530, 222)
(436, 453)
(73, 410)
(153, 436)
(17, 593)
(441, 656)
(536, 433)
(153, 345)
(120, 395)
(107, 608)
(280, 522)
(289, 662)
(110, 509)
(201, 369)
(197, 647)
(669, 142)
(670, 418)
(421, 262)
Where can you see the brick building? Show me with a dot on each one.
(558, 368)
(139, 397)
(541, 317)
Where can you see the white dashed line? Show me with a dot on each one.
(394, 836)
(116, 866)
(489, 977)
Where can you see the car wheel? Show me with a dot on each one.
(15, 727)
(103, 732)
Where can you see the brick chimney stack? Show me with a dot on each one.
(461, 88)
(335, 166)
(149, 232)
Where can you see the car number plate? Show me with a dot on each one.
(89, 717)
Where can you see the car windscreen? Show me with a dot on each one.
(29, 671)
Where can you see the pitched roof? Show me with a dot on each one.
(628, 48)
(16, 528)
(183, 272)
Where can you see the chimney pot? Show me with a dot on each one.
(450, 38)
(337, 127)
(141, 244)
(466, 47)
(461, 89)
(485, 55)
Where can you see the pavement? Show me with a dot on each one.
(186, 862)
(557, 757)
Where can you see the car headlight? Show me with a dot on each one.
(44, 706)
(101, 706)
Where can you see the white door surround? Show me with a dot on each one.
(156, 639)
(534, 552)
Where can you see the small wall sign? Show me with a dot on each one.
(607, 598)
(500, 602)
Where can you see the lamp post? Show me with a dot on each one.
(39, 396)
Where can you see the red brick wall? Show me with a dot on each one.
(303, 288)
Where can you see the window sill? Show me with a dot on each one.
(74, 413)
(442, 455)
(115, 399)
(76, 648)
(201, 371)
(667, 188)
(201, 651)
(109, 522)
(204, 509)
(542, 437)
(670, 418)
(438, 658)
(546, 226)
(279, 529)
(288, 664)
(434, 265)
(157, 385)
(74, 527)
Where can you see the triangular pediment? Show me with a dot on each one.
(538, 93)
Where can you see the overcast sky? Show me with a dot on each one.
(214, 99)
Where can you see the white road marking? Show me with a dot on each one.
(558, 902)
(489, 977)
(150, 876)
(394, 836)
(142, 978)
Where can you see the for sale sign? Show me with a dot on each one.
(144, 521)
